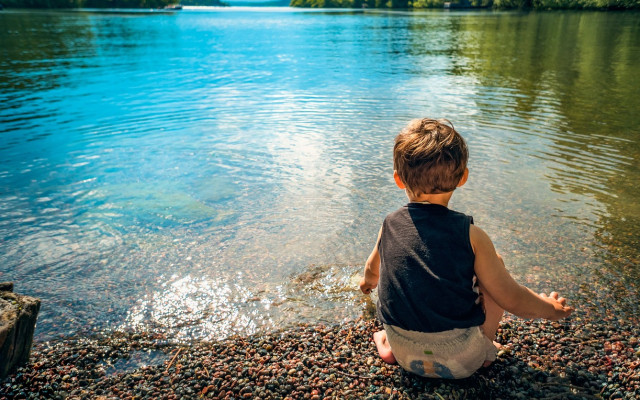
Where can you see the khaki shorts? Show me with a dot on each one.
(453, 354)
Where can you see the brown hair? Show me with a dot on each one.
(430, 156)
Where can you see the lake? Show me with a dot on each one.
(220, 171)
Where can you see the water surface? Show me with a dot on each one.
(225, 171)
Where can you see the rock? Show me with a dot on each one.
(6, 286)
(18, 316)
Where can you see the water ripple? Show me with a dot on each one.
(227, 171)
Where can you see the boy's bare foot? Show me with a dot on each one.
(384, 349)
(487, 362)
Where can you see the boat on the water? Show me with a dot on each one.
(173, 7)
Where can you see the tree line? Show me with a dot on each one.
(523, 4)
(105, 3)
(389, 4)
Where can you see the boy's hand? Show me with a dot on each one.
(559, 304)
(371, 269)
(367, 287)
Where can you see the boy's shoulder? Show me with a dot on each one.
(460, 214)
(398, 213)
(428, 208)
(419, 213)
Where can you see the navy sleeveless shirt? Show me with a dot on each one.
(427, 280)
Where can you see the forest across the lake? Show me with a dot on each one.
(358, 4)
(106, 3)
(496, 4)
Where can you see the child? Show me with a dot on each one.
(442, 287)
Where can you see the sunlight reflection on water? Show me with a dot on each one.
(188, 307)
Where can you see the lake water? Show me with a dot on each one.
(220, 171)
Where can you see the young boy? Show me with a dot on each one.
(442, 287)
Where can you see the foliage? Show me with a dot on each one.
(325, 3)
(354, 3)
(511, 3)
(394, 4)
(585, 4)
(501, 4)
(427, 4)
(209, 3)
(87, 3)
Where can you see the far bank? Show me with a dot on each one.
(600, 5)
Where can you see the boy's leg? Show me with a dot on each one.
(493, 315)
(384, 349)
(492, 311)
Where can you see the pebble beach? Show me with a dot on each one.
(572, 359)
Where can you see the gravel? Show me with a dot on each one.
(573, 359)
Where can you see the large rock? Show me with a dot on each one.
(18, 316)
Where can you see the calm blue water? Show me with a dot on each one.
(212, 172)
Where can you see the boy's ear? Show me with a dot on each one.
(464, 178)
(399, 182)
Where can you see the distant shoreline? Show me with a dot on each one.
(304, 4)
(160, 5)
(524, 5)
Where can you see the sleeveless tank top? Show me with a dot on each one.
(427, 280)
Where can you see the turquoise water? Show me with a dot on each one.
(219, 171)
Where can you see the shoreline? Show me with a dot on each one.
(574, 359)
(307, 7)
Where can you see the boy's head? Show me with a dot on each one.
(429, 156)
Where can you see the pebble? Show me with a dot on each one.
(318, 362)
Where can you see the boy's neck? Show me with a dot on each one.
(438, 198)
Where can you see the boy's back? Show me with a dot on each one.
(427, 281)
(426, 260)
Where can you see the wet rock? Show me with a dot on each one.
(18, 316)
(6, 286)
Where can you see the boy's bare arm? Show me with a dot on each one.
(371, 269)
(510, 295)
